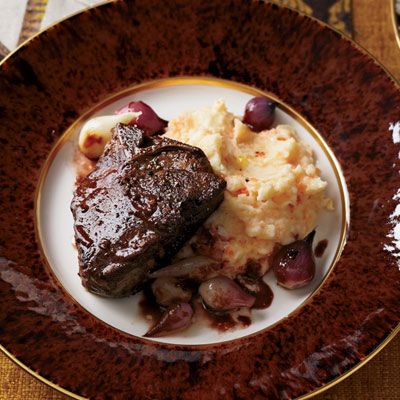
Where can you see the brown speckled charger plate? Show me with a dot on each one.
(47, 84)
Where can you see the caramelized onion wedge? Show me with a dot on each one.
(169, 291)
(294, 264)
(198, 268)
(177, 317)
(223, 294)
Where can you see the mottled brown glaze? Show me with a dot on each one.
(341, 91)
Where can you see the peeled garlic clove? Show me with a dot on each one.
(175, 318)
(97, 132)
(169, 291)
(223, 294)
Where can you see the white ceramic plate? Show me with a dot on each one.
(169, 99)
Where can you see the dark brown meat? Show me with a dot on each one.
(145, 199)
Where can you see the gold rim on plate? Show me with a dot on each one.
(216, 82)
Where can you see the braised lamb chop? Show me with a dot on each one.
(146, 197)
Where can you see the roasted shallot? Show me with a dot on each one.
(197, 268)
(223, 294)
(294, 264)
(168, 291)
(175, 318)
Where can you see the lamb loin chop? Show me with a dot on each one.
(146, 197)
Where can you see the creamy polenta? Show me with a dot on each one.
(274, 190)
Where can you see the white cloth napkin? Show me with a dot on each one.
(15, 15)
(11, 17)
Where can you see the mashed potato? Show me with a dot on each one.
(274, 190)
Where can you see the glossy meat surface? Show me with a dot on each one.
(145, 199)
